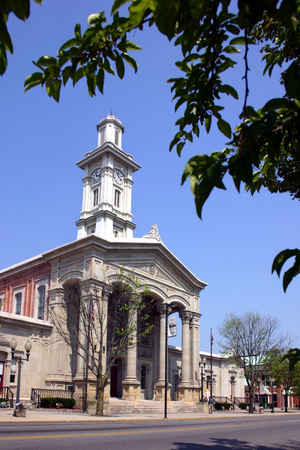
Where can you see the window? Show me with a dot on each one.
(41, 302)
(90, 229)
(1, 301)
(117, 136)
(95, 197)
(18, 303)
(117, 198)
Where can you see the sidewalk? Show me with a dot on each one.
(43, 416)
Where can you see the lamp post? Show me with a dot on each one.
(19, 359)
(272, 403)
(202, 367)
(167, 307)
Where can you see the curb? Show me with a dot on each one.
(94, 419)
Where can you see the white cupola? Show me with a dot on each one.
(107, 185)
(110, 129)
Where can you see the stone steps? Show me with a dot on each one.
(145, 407)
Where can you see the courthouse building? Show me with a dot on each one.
(105, 243)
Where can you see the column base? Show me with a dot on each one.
(185, 393)
(159, 391)
(131, 390)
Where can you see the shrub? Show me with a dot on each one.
(50, 402)
(219, 406)
(243, 405)
(227, 406)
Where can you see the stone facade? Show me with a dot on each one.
(59, 280)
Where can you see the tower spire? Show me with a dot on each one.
(107, 185)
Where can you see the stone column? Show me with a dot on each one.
(195, 338)
(185, 387)
(58, 348)
(131, 386)
(160, 385)
(90, 294)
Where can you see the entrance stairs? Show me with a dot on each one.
(144, 407)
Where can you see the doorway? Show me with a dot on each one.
(116, 379)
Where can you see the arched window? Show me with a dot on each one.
(95, 197)
(117, 198)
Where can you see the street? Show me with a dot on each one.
(256, 432)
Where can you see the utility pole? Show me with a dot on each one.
(211, 369)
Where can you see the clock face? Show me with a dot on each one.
(96, 175)
(118, 176)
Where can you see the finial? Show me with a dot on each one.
(153, 233)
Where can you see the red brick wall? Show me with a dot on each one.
(26, 280)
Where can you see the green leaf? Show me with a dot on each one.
(276, 103)
(68, 44)
(166, 17)
(132, 46)
(290, 274)
(227, 89)
(33, 79)
(232, 28)
(46, 61)
(130, 61)
(231, 49)
(207, 123)
(291, 80)
(100, 80)
(282, 257)
(21, 8)
(224, 127)
(91, 83)
(238, 41)
(77, 31)
(55, 89)
(120, 66)
(66, 74)
(179, 148)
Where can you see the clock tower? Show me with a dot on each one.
(107, 185)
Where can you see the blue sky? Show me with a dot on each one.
(231, 249)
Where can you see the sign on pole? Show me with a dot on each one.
(172, 328)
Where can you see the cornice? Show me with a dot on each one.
(108, 147)
(13, 319)
(131, 245)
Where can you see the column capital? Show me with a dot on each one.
(56, 295)
(106, 291)
(91, 288)
(186, 316)
(196, 319)
(162, 308)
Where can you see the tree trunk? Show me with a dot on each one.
(286, 401)
(100, 398)
(251, 399)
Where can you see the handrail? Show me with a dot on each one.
(38, 393)
(7, 394)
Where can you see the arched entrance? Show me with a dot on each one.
(116, 379)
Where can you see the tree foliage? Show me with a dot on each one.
(263, 144)
(21, 9)
(284, 368)
(248, 339)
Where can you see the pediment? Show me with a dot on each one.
(153, 270)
